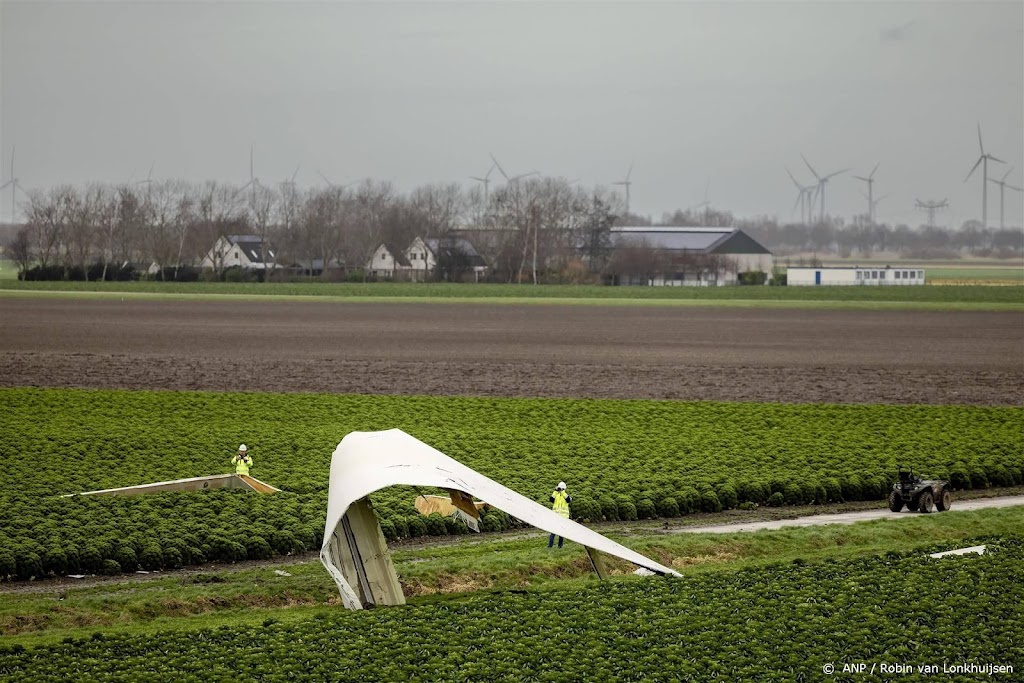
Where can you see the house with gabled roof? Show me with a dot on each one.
(687, 256)
(387, 262)
(456, 255)
(245, 251)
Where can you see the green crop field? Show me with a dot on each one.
(622, 459)
(857, 297)
(8, 270)
(780, 622)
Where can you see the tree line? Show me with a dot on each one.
(525, 230)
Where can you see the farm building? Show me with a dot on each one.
(456, 255)
(857, 275)
(684, 256)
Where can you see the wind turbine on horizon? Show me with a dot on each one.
(805, 198)
(870, 180)
(486, 180)
(148, 182)
(1002, 187)
(626, 182)
(822, 181)
(13, 182)
(514, 179)
(983, 161)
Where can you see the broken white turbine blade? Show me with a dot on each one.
(365, 462)
(979, 549)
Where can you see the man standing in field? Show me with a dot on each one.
(560, 504)
(242, 461)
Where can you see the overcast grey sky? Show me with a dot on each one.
(421, 92)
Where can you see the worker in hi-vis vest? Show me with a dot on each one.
(560, 504)
(242, 461)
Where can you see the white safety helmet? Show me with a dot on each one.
(561, 486)
(242, 448)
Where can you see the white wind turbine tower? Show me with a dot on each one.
(874, 206)
(626, 182)
(485, 181)
(822, 180)
(983, 161)
(1002, 187)
(148, 182)
(870, 180)
(13, 182)
(253, 180)
(804, 197)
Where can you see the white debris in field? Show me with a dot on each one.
(281, 573)
(76, 576)
(980, 549)
(643, 571)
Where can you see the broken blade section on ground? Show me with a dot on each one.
(354, 550)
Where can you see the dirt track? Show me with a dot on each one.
(782, 355)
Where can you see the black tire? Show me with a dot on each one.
(925, 502)
(945, 501)
(895, 501)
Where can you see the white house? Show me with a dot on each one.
(386, 262)
(246, 251)
(856, 275)
(697, 257)
(454, 253)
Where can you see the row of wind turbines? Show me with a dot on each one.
(807, 195)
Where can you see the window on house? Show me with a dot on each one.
(874, 274)
(859, 274)
(898, 274)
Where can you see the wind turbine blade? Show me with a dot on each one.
(150, 174)
(872, 174)
(862, 178)
(813, 172)
(830, 175)
(482, 180)
(295, 174)
(706, 188)
(6, 184)
(881, 198)
(992, 158)
(1014, 187)
(500, 169)
(489, 172)
(799, 198)
(324, 178)
(973, 169)
(251, 173)
(794, 180)
(246, 186)
(12, 162)
(980, 146)
(629, 172)
(1008, 172)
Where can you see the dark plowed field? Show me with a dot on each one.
(782, 355)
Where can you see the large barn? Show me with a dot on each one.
(684, 256)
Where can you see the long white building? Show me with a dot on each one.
(856, 275)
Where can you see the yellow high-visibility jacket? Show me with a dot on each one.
(242, 463)
(560, 503)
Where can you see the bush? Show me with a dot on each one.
(728, 497)
(55, 561)
(747, 505)
(151, 558)
(833, 491)
(689, 500)
(793, 494)
(110, 568)
(851, 488)
(455, 526)
(627, 510)
(667, 507)
(388, 529)
(401, 528)
(8, 566)
(283, 542)
(90, 558)
(585, 510)
(609, 508)
(775, 500)
(416, 526)
(435, 524)
(28, 564)
(709, 502)
(490, 523)
(645, 509)
(257, 548)
(753, 277)
(125, 556)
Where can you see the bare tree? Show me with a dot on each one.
(45, 224)
(20, 249)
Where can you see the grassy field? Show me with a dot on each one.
(439, 573)
(8, 270)
(941, 297)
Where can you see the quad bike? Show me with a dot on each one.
(919, 494)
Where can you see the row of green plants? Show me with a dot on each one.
(934, 294)
(623, 460)
(782, 622)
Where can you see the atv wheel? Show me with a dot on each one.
(925, 503)
(945, 500)
(895, 501)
